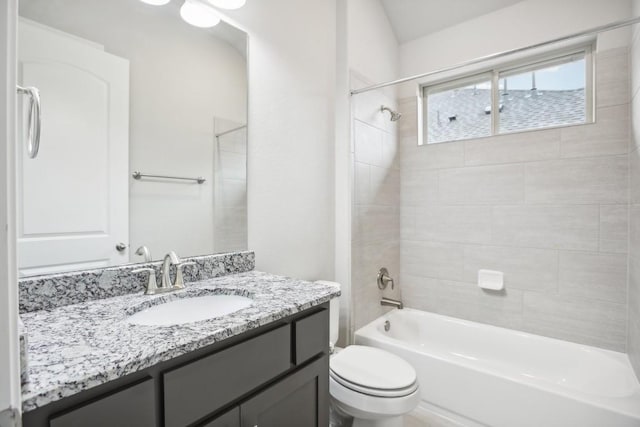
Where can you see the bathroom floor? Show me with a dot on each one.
(421, 418)
(417, 418)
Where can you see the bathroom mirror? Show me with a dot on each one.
(144, 135)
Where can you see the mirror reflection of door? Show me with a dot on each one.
(127, 86)
(73, 198)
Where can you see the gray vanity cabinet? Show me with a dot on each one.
(276, 375)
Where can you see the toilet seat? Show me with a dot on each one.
(373, 371)
(376, 392)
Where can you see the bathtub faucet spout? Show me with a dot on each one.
(392, 303)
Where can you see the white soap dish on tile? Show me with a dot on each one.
(491, 280)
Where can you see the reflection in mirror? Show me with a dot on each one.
(129, 87)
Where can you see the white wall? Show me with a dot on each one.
(342, 171)
(523, 24)
(372, 45)
(9, 357)
(291, 134)
(181, 78)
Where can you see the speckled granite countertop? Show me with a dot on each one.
(79, 346)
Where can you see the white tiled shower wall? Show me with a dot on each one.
(549, 208)
(633, 330)
(376, 202)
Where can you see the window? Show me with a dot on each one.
(457, 111)
(549, 93)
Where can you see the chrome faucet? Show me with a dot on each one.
(165, 285)
(170, 258)
(144, 251)
(392, 303)
(173, 259)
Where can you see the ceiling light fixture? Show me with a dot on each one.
(228, 4)
(156, 2)
(199, 15)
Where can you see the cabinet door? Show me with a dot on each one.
(230, 418)
(301, 399)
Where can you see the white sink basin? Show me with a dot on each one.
(187, 310)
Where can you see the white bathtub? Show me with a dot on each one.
(500, 377)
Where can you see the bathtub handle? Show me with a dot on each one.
(384, 279)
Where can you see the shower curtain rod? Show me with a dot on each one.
(593, 31)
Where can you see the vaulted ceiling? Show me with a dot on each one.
(411, 19)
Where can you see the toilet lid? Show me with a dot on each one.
(373, 368)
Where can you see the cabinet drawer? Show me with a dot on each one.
(230, 418)
(312, 336)
(133, 406)
(195, 390)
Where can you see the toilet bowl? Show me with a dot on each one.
(371, 385)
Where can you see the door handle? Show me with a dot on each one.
(35, 120)
(121, 247)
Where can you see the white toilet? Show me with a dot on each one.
(373, 386)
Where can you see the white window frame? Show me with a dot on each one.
(493, 74)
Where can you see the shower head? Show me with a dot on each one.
(395, 116)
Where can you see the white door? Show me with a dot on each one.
(73, 198)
